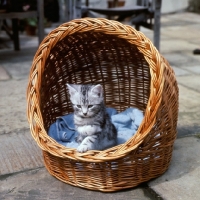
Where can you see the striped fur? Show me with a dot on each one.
(96, 132)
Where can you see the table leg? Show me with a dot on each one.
(15, 34)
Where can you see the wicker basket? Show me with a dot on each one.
(133, 74)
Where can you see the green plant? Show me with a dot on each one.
(32, 21)
(198, 135)
(194, 6)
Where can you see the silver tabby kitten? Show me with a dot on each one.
(93, 124)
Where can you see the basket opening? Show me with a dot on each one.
(94, 57)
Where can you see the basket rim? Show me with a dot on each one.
(110, 27)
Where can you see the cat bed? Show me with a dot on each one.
(133, 74)
(126, 124)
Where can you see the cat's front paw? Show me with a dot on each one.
(82, 148)
(78, 139)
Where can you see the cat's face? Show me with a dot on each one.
(86, 99)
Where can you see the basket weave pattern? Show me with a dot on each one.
(133, 74)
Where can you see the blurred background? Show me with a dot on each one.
(55, 11)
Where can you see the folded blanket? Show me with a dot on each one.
(126, 123)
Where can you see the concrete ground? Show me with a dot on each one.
(22, 172)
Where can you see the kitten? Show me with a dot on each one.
(92, 122)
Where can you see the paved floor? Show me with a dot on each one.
(22, 173)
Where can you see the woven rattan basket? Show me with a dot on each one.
(133, 74)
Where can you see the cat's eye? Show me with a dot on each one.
(90, 106)
(78, 106)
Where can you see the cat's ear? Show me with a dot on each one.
(71, 89)
(97, 90)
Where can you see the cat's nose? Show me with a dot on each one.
(85, 114)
